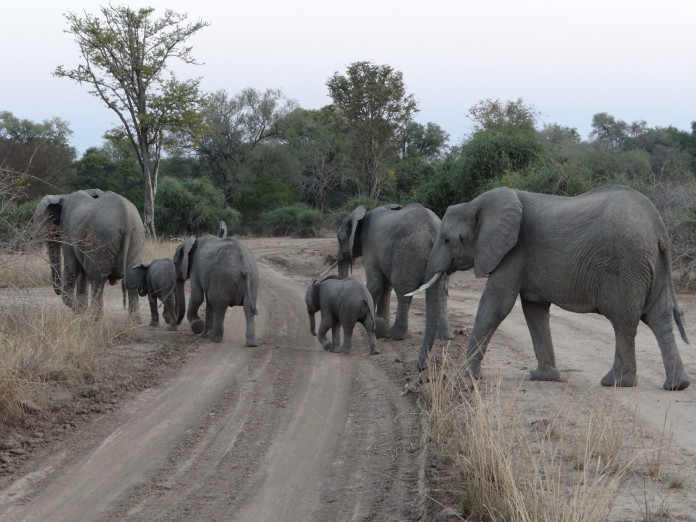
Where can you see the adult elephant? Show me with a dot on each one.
(101, 236)
(224, 272)
(395, 243)
(606, 251)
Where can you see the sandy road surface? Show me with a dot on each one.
(287, 432)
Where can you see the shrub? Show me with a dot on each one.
(298, 220)
(191, 206)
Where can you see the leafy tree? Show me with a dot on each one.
(295, 219)
(373, 100)
(490, 114)
(112, 167)
(38, 151)
(426, 142)
(192, 206)
(234, 126)
(607, 131)
(124, 60)
(318, 139)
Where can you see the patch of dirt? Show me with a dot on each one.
(183, 429)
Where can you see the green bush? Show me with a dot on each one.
(191, 206)
(298, 220)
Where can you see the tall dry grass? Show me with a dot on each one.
(565, 464)
(44, 344)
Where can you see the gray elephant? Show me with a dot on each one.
(342, 302)
(394, 243)
(605, 252)
(223, 272)
(157, 280)
(101, 237)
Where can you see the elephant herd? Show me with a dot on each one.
(606, 251)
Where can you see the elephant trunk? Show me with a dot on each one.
(180, 301)
(432, 304)
(312, 325)
(343, 267)
(54, 259)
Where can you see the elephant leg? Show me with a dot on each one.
(335, 335)
(98, 298)
(71, 272)
(494, 306)
(250, 315)
(209, 318)
(215, 313)
(443, 328)
(325, 325)
(400, 326)
(154, 314)
(347, 345)
(537, 317)
(133, 304)
(624, 370)
(170, 311)
(381, 293)
(81, 292)
(371, 337)
(195, 301)
(661, 325)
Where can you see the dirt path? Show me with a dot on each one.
(288, 432)
(284, 431)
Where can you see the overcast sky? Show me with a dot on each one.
(633, 59)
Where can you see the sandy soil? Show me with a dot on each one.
(184, 429)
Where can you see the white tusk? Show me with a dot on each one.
(427, 285)
(329, 269)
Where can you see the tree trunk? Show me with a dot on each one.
(149, 187)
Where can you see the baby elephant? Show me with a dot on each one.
(342, 302)
(158, 281)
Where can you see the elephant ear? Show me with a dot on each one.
(184, 250)
(355, 218)
(48, 210)
(314, 296)
(498, 219)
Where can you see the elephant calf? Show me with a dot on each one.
(158, 281)
(343, 302)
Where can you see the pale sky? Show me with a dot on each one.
(633, 59)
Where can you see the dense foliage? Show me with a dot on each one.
(267, 166)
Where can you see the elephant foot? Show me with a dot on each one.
(620, 379)
(381, 328)
(549, 373)
(251, 343)
(397, 334)
(215, 338)
(474, 370)
(345, 350)
(444, 336)
(375, 351)
(154, 323)
(172, 328)
(197, 326)
(677, 381)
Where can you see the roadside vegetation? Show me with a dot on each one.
(575, 460)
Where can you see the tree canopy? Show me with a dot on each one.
(125, 55)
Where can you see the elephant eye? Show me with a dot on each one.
(446, 240)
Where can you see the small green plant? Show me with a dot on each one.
(298, 220)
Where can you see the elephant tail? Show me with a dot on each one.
(679, 319)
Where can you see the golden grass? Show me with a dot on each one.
(568, 463)
(44, 344)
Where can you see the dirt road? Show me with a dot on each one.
(288, 432)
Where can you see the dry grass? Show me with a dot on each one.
(571, 464)
(42, 344)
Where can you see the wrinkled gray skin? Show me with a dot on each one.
(158, 280)
(101, 236)
(604, 252)
(342, 302)
(223, 272)
(394, 243)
